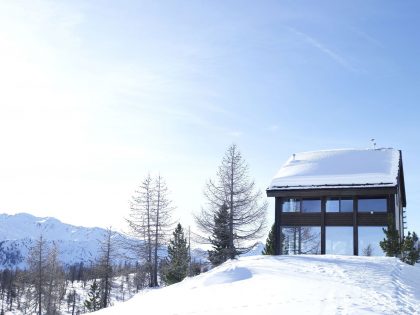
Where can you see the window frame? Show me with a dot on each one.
(339, 199)
(300, 201)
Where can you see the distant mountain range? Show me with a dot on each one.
(19, 232)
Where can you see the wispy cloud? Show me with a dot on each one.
(367, 37)
(324, 49)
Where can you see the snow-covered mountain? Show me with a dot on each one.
(307, 284)
(18, 233)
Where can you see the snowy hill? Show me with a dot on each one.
(289, 285)
(18, 233)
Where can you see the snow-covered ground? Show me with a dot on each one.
(288, 285)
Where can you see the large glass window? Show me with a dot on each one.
(298, 205)
(369, 238)
(291, 205)
(301, 240)
(346, 205)
(332, 205)
(372, 205)
(311, 205)
(339, 205)
(339, 240)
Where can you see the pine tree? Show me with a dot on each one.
(176, 268)
(233, 189)
(406, 249)
(269, 248)
(93, 302)
(391, 244)
(410, 253)
(221, 251)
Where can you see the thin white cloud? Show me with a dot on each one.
(324, 49)
(367, 37)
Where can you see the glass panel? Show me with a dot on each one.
(301, 240)
(346, 205)
(339, 240)
(369, 238)
(291, 205)
(372, 204)
(333, 205)
(311, 205)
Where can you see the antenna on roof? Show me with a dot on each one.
(373, 143)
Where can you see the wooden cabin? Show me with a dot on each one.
(338, 201)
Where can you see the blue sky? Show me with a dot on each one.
(96, 94)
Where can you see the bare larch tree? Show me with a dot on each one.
(37, 265)
(105, 266)
(150, 222)
(234, 189)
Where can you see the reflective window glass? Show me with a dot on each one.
(311, 205)
(333, 205)
(339, 240)
(291, 205)
(346, 205)
(369, 238)
(301, 240)
(372, 204)
(339, 205)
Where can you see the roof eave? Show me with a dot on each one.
(331, 189)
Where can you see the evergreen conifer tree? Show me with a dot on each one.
(391, 244)
(410, 253)
(220, 237)
(93, 302)
(406, 249)
(176, 268)
(269, 248)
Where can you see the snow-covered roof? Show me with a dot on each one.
(339, 168)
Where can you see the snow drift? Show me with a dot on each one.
(289, 285)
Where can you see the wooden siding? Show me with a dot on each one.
(300, 219)
(339, 219)
(375, 219)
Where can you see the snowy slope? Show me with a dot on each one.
(18, 233)
(289, 285)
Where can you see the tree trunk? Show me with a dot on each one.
(155, 281)
(40, 278)
(231, 247)
(149, 240)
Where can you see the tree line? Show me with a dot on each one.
(158, 249)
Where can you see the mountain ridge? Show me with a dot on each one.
(18, 233)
